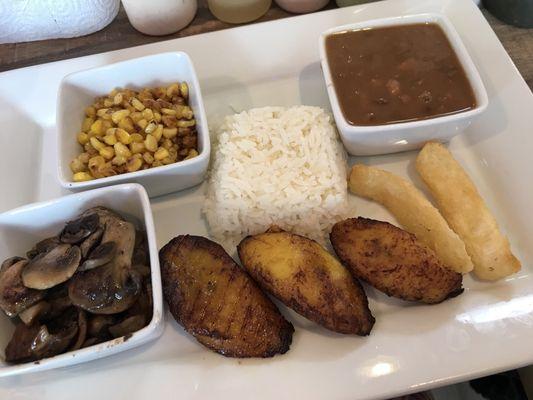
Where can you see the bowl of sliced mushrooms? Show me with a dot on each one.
(79, 277)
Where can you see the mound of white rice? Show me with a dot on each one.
(276, 166)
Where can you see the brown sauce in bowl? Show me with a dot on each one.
(397, 74)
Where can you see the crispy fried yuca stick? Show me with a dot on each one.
(413, 211)
(466, 213)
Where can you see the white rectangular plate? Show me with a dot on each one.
(412, 347)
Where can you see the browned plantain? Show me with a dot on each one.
(393, 261)
(218, 303)
(304, 276)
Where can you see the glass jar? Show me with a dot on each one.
(238, 11)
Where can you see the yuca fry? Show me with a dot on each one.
(413, 211)
(466, 213)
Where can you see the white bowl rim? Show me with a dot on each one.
(460, 50)
(202, 157)
(150, 332)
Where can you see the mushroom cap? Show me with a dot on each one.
(56, 336)
(14, 296)
(35, 313)
(52, 268)
(82, 330)
(101, 255)
(18, 349)
(91, 242)
(77, 230)
(128, 325)
(44, 246)
(9, 262)
(39, 341)
(114, 287)
(102, 291)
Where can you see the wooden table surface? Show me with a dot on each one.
(120, 34)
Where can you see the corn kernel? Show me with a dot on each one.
(97, 128)
(148, 114)
(101, 112)
(134, 164)
(86, 125)
(118, 115)
(148, 157)
(77, 166)
(137, 138)
(95, 163)
(168, 111)
(117, 160)
(186, 112)
(110, 139)
(167, 160)
(161, 153)
(184, 90)
(123, 136)
(107, 152)
(84, 157)
(118, 99)
(158, 132)
(83, 138)
(173, 152)
(150, 128)
(90, 111)
(137, 104)
(98, 145)
(121, 150)
(151, 143)
(82, 177)
(157, 117)
(137, 147)
(186, 124)
(106, 125)
(172, 89)
(192, 153)
(157, 163)
(136, 116)
(108, 103)
(170, 133)
(167, 144)
(127, 124)
(142, 123)
(107, 170)
(89, 149)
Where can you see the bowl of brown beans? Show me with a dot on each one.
(141, 120)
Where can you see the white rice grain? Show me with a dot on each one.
(276, 166)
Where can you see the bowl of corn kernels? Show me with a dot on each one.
(140, 120)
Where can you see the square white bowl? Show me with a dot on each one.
(79, 89)
(22, 227)
(403, 136)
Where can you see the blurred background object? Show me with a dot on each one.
(238, 11)
(515, 12)
(301, 6)
(160, 17)
(29, 20)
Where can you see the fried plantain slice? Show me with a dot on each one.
(218, 303)
(393, 261)
(305, 277)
